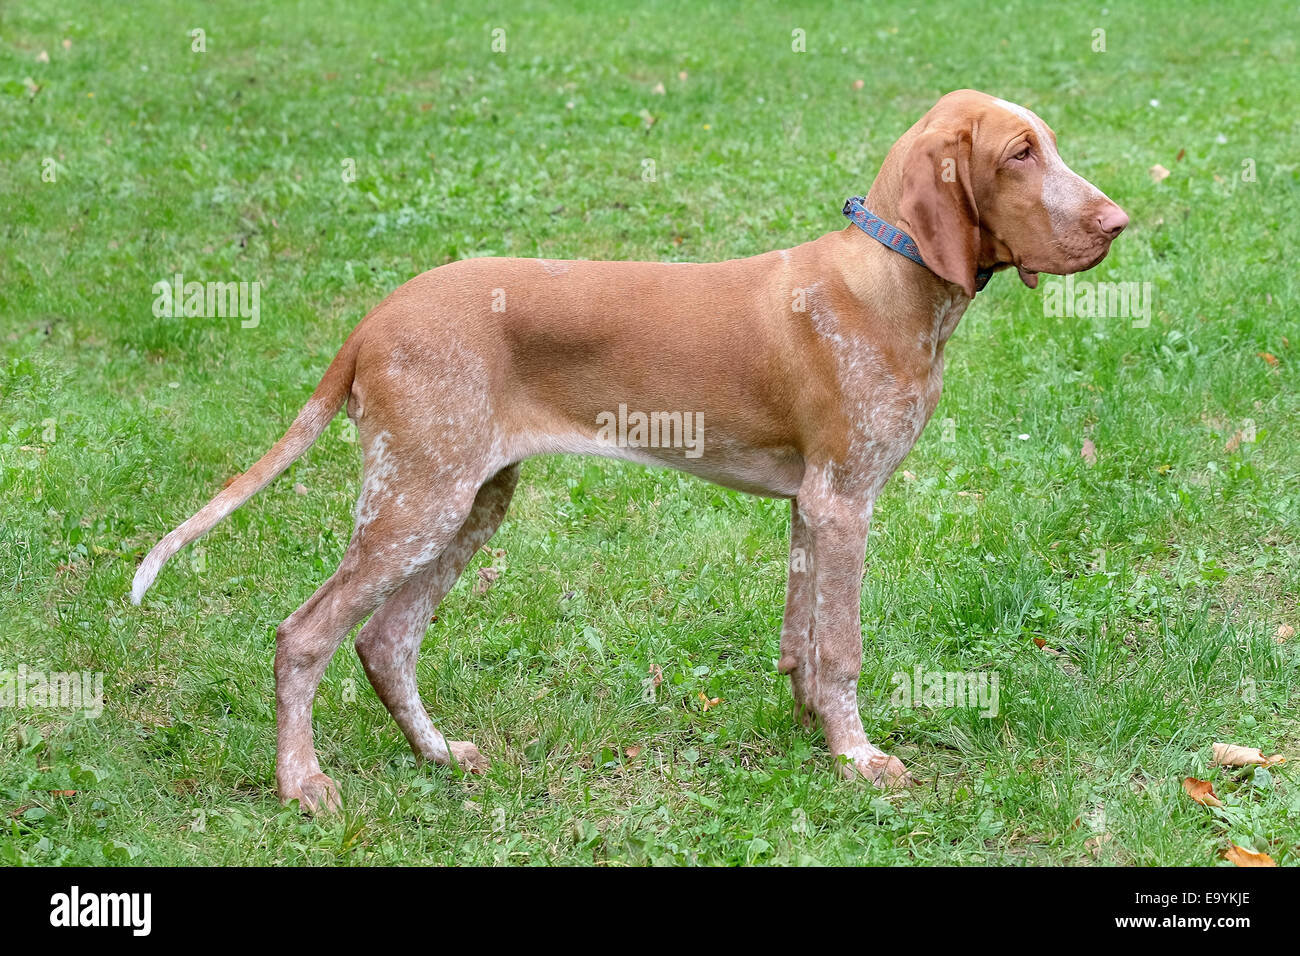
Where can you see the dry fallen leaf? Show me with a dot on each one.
(658, 89)
(1235, 755)
(1088, 452)
(1284, 632)
(631, 752)
(1062, 659)
(1179, 157)
(709, 701)
(1202, 791)
(859, 84)
(1269, 357)
(1241, 857)
(486, 578)
(656, 675)
(300, 489)
(1158, 172)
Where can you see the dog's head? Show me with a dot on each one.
(983, 184)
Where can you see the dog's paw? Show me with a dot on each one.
(468, 757)
(316, 793)
(805, 714)
(886, 772)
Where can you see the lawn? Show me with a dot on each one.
(1103, 512)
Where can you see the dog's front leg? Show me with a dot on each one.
(836, 525)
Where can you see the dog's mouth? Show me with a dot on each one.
(1029, 274)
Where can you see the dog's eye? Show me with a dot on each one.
(1023, 154)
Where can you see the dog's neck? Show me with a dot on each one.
(929, 307)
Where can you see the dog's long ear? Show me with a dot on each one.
(938, 204)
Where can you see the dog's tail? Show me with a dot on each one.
(311, 422)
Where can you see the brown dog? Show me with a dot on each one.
(813, 369)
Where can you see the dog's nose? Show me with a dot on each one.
(1112, 221)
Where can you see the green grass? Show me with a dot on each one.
(1160, 574)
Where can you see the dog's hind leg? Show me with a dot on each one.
(401, 530)
(390, 641)
(798, 652)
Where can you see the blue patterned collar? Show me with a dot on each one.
(894, 238)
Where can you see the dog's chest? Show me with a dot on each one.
(887, 403)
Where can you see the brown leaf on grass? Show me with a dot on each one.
(1088, 452)
(1233, 442)
(486, 578)
(631, 752)
(1179, 157)
(709, 701)
(1158, 172)
(1202, 791)
(1242, 857)
(1062, 658)
(63, 793)
(1269, 357)
(1284, 633)
(1235, 755)
(656, 675)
